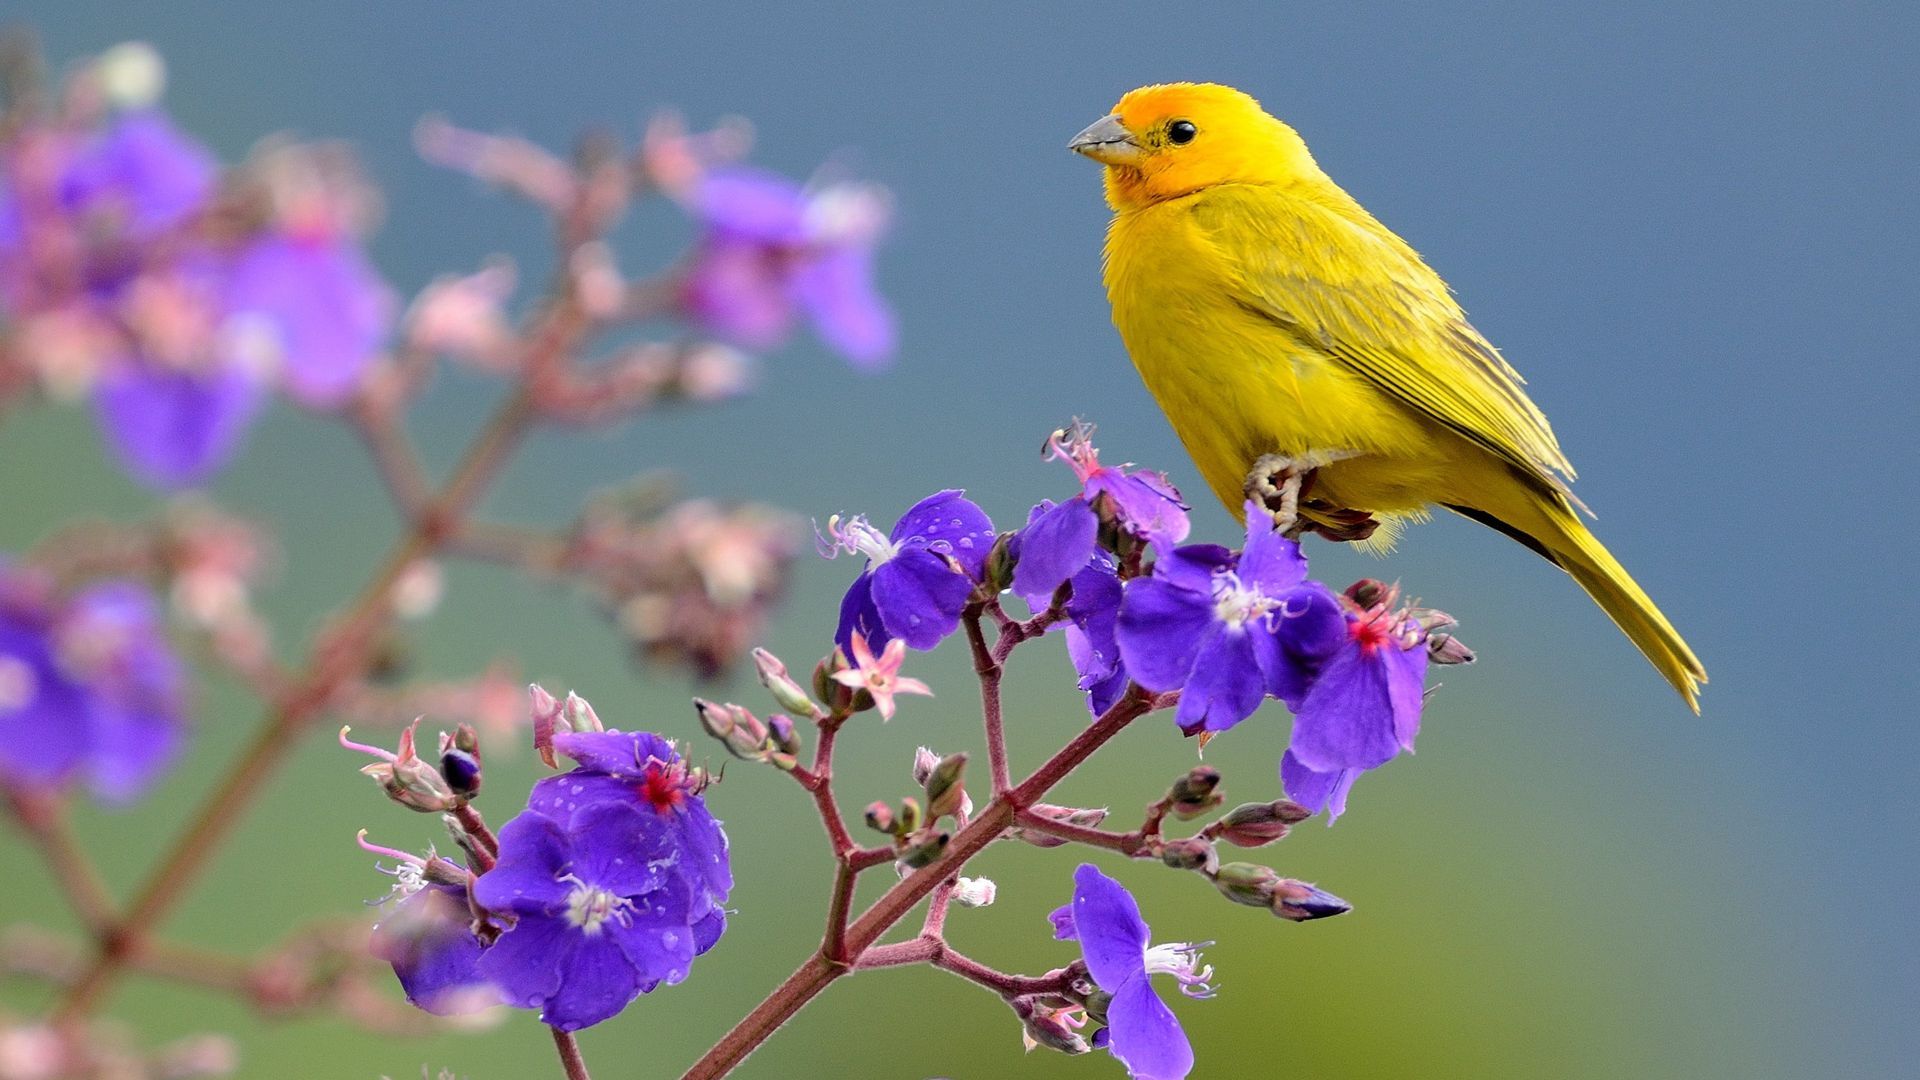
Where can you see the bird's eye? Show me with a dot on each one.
(1181, 132)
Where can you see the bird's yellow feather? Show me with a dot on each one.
(1269, 313)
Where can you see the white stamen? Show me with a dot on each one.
(1236, 604)
(589, 907)
(1181, 959)
(856, 536)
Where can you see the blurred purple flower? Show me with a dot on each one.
(88, 687)
(142, 167)
(911, 588)
(324, 306)
(1140, 1030)
(172, 428)
(770, 250)
(600, 915)
(428, 938)
(1228, 628)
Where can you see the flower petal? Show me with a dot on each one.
(525, 962)
(751, 204)
(1062, 920)
(326, 304)
(919, 596)
(1113, 936)
(596, 981)
(621, 848)
(1227, 683)
(1270, 561)
(1317, 791)
(1347, 720)
(1159, 631)
(836, 288)
(858, 615)
(736, 292)
(428, 940)
(534, 856)
(1054, 546)
(656, 937)
(616, 753)
(1145, 1036)
(174, 429)
(950, 524)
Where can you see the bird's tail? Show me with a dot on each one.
(1552, 528)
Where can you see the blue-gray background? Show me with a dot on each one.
(1691, 225)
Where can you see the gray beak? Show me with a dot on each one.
(1107, 141)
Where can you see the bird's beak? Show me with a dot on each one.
(1108, 142)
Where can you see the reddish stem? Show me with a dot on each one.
(486, 846)
(1131, 844)
(987, 665)
(44, 821)
(570, 1059)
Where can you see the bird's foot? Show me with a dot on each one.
(1282, 483)
(1275, 483)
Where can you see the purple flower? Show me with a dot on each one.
(918, 577)
(1228, 628)
(1057, 542)
(173, 428)
(770, 250)
(642, 770)
(1362, 709)
(599, 914)
(1140, 1030)
(141, 167)
(323, 304)
(87, 687)
(429, 940)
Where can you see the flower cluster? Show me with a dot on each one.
(607, 886)
(1227, 629)
(89, 688)
(173, 296)
(694, 584)
(770, 250)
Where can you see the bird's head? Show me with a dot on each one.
(1173, 139)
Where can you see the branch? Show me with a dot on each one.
(1133, 844)
(336, 659)
(44, 820)
(818, 971)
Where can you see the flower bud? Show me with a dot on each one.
(1086, 817)
(924, 847)
(546, 716)
(1195, 793)
(1193, 853)
(1301, 902)
(415, 785)
(997, 574)
(1042, 1027)
(578, 715)
(974, 892)
(946, 791)
(461, 771)
(784, 735)
(1253, 825)
(1246, 883)
(909, 819)
(880, 817)
(786, 693)
(1367, 592)
(837, 696)
(1444, 648)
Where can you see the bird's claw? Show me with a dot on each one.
(1281, 483)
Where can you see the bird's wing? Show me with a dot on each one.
(1340, 282)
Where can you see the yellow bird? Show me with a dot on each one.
(1278, 323)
